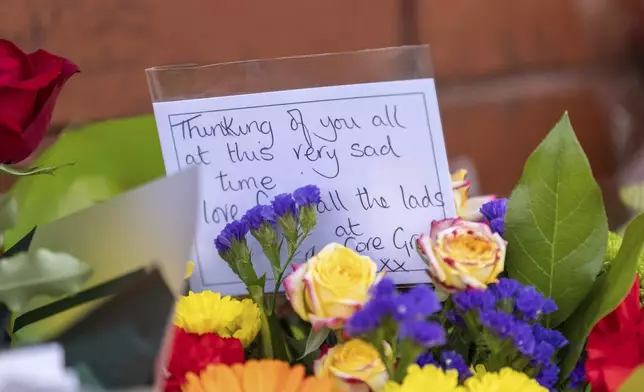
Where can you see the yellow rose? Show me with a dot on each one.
(462, 254)
(355, 365)
(329, 288)
(468, 208)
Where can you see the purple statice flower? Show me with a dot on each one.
(530, 303)
(543, 352)
(259, 215)
(498, 322)
(522, 338)
(381, 304)
(385, 288)
(233, 231)
(454, 360)
(494, 212)
(307, 195)
(453, 317)
(283, 204)
(474, 300)
(550, 336)
(416, 304)
(427, 359)
(425, 334)
(548, 375)
(426, 300)
(549, 306)
(577, 376)
(505, 288)
(364, 320)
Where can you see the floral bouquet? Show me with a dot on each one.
(529, 293)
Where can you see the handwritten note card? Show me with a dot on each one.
(375, 150)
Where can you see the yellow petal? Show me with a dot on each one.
(190, 267)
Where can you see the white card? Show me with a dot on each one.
(375, 150)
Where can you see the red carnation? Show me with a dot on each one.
(616, 344)
(192, 353)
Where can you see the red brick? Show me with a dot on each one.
(498, 125)
(114, 41)
(472, 39)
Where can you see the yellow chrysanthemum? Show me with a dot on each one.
(507, 380)
(478, 370)
(210, 312)
(266, 375)
(428, 378)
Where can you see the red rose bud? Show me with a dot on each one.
(29, 87)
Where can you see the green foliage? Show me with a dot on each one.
(607, 292)
(8, 213)
(33, 171)
(27, 275)
(556, 226)
(110, 157)
(315, 340)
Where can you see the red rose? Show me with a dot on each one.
(29, 87)
(192, 353)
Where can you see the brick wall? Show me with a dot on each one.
(506, 69)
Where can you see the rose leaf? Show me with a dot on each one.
(556, 226)
(315, 340)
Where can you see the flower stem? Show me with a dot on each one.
(409, 353)
(292, 251)
(339, 337)
(257, 294)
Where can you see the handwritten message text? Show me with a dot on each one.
(376, 151)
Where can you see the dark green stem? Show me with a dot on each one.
(409, 353)
(292, 251)
(257, 294)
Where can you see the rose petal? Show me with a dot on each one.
(477, 227)
(311, 293)
(14, 64)
(319, 322)
(426, 247)
(294, 286)
(472, 209)
(459, 175)
(439, 225)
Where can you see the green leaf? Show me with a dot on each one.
(298, 344)
(556, 226)
(110, 158)
(27, 275)
(608, 291)
(315, 340)
(33, 171)
(8, 213)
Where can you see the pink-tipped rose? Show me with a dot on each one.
(462, 254)
(329, 288)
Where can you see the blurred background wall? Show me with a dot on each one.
(506, 69)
